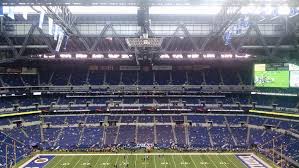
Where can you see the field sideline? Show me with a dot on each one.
(144, 160)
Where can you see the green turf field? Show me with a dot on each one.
(167, 160)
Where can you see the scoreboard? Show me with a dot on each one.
(272, 75)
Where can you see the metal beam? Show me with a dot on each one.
(261, 38)
(10, 43)
(46, 41)
(225, 18)
(127, 2)
(7, 47)
(280, 47)
(25, 42)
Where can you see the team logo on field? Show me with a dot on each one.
(251, 161)
(41, 160)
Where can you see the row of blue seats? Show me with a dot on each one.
(208, 77)
(220, 119)
(165, 136)
(289, 102)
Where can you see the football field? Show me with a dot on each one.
(141, 160)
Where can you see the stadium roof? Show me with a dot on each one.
(262, 28)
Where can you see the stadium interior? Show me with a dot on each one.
(186, 76)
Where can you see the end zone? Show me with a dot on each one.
(252, 161)
(38, 161)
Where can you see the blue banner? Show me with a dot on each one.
(294, 12)
(1, 9)
(227, 37)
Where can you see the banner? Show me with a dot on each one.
(13, 70)
(11, 12)
(227, 37)
(106, 68)
(93, 68)
(294, 12)
(1, 9)
(5, 70)
(162, 68)
(66, 41)
(129, 68)
(50, 23)
(29, 70)
(60, 39)
(25, 14)
(56, 31)
(41, 19)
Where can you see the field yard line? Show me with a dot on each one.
(145, 161)
(201, 160)
(212, 161)
(193, 161)
(183, 160)
(58, 161)
(88, 160)
(221, 160)
(135, 164)
(97, 161)
(78, 162)
(231, 161)
(127, 159)
(107, 161)
(173, 161)
(155, 161)
(117, 160)
(164, 160)
(70, 160)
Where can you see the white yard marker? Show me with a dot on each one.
(57, 163)
(211, 161)
(193, 161)
(173, 161)
(231, 161)
(78, 162)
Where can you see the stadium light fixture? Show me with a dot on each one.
(164, 56)
(226, 56)
(242, 56)
(113, 56)
(209, 55)
(193, 56)
(65, 56)
(284, 10)
(81, 56)
(49, 56)
(177, 56)
(185, 10)
(121, 10)
(103, 9)
(97, 56)
(126, 56)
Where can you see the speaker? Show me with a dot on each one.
(141, 17)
